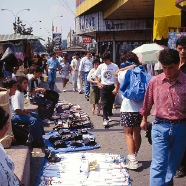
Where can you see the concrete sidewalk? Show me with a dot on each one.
(111, 140)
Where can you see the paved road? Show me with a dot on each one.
(111, 140)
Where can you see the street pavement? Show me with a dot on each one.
(111, 140)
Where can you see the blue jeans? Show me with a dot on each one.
(86, 83)
(168, 146)
(51, 78)
(7, 74)
(36, 127)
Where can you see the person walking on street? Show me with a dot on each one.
(106, 72)
(76, 81)
(94, 90)
(84, 68)
(53, 64)
(181, 48)
(65, 71)
(167, 93)
(130, 116)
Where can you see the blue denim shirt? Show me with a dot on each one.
(53, 63)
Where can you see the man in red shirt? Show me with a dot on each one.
(181, 48)
(168, 95)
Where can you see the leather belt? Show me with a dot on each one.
(170, 121)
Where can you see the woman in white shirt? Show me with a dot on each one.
(94, 90)
(7, 176)
(130, 117)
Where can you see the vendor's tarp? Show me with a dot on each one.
(13, 37)
(69, 148)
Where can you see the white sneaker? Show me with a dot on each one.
(109, 119)
(133, 165)
(64, 90)
(80, 92)
(105, 122)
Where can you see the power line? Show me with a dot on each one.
(67, 7)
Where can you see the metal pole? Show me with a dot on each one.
(15, 16)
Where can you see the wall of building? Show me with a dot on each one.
(84, 5)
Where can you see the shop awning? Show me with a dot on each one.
(13, 37)
(169, 17)
(75, 49)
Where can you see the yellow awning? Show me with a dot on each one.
(166, 15)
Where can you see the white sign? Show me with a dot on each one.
(95, 22)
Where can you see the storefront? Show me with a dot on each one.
(115, 36)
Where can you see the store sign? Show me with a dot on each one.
(56, 37)
(88, 23)
(95, 22)
(86, 40)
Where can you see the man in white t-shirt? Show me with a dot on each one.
(107, 72)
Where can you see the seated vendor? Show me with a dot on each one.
(21, 116)
(33, 85)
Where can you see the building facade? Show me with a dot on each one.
(117, 25)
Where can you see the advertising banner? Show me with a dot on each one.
(86, 40)
(56, 37)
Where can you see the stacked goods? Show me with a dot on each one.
(70, 132)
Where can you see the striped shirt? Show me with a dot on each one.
(169, 99)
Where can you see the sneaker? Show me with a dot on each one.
(133, 165)
(87, 98)
(105, 122)
(109, 119)
(80, 92)
(74, 90)
(64, 90)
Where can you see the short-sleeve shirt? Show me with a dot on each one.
(128, 105)
(91, 76)
(7, 176)
(75, 64)
(32, 84)
(65, 68)
(85, 64)
(53, 63)
(17, 101)
(107, 73)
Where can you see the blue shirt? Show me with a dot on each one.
(53, 63)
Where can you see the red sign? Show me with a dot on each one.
(87, 39)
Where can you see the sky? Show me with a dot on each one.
(46, 11)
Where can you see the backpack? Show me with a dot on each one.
(135, 83)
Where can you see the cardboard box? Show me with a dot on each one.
(4, 102)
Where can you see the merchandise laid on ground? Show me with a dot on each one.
(70, 132)
(86, 169)
(63, 165)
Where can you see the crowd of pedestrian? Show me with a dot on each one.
(99, 79)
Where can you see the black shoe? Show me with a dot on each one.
(180, 173)
(87, 98)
